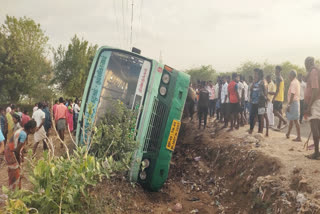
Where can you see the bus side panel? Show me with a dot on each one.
(151, 94)
(163, 163)
(85, 95)
(93, 89)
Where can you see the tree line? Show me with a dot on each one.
(246, 69)
(31, 70)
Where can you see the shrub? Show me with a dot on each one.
(61, 185)
(114, 136)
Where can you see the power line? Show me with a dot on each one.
(140, 21)
(127, 18)
(123, 25)
(131, 24)
(117, 23)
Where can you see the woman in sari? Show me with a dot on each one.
(70, 116)
(10, 125)
(1, 142)
(13, 153)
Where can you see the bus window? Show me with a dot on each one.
(125, 80)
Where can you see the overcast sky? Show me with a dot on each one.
(188, 33)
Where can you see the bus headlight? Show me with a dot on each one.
(165, 78)
(143, 175)
(163, 90)
(145, 163)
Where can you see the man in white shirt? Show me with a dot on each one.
(243, 95)
(35, 108)
(76, 110)
(271, 90)
(212, 101)
(40, 135)
(225, 101)
(303, 86)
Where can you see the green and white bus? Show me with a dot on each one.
(158, 92)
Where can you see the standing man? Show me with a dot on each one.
(35, 108)
(40, 134)
(245, 100)
(303, 86)
(250, 84)
(279, 98)
(293, 105)
(47, 123)
(225, 101)
(256, 92)
(60, 117)
(312, 103)
(25, 117)
(189, 102)
(241, 99)
(203, 104)
(217, 96)
(271, 90)
(76, 110)
(54, 107)
(212, 101)
(234, 101)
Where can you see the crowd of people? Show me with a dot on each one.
(15, 126)
(237, 102)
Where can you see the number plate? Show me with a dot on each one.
(173, 136)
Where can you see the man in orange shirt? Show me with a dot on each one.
(54, 107)
(234, 101)
(25, 117)
(60, 118)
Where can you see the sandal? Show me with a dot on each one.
(276, 129)
(288, 136)
(313, 156)
(297, 140)
(311, 147)
(284, 126)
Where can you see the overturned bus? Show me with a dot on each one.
(158, 92)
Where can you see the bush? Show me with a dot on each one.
(61, 185)
(114, 136)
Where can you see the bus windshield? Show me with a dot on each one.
(125, 79)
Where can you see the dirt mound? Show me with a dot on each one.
(222, 166)
(213, 171)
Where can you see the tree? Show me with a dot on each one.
(204, 72)
(23, 63)
(72, 66)
(246, 69)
